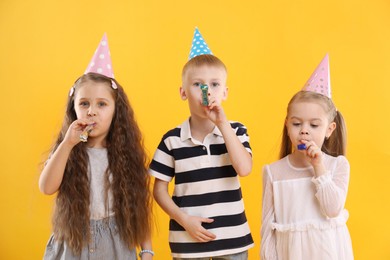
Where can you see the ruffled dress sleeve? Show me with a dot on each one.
(332, 187)
(268, 237)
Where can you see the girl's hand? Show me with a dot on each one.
(315, 156)
(193, 225)
(146, 256)
(72, 136)
(215, 111)
(313, 152)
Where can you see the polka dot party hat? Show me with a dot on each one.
(199, 45)
(319, 81)
(101, 60)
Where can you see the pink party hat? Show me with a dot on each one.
(319, 81)
(101, 60)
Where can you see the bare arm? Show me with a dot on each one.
(51, 176)
(192, 224)
(239, 156)
(147, 245)
(53, 172)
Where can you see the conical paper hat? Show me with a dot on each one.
(101, 60)
(199, 45)
(319, 81)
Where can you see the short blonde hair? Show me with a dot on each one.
(200, 60)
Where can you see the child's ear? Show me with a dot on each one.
(225, 93)
(332, 126)
(183, 94)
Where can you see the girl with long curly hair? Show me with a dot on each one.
(98, 169)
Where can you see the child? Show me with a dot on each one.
(305, 191)
(204, 154)
(103, 204)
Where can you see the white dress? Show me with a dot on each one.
(303, 217)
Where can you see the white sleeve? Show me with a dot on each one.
(268, 238)
(332, 188)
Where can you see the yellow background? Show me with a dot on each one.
(270, 49)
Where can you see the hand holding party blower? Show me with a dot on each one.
(86, 132)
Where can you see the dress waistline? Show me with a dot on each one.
(313, 224)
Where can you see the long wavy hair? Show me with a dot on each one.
(336, 144)
(129, 181)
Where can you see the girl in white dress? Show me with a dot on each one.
(304, 193)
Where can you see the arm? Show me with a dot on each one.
(53, 172)
(147, 245)
(332, 188)
(51, 176)
(268, 239)
(239, 156)
(192, 224)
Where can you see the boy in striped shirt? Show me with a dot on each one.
(204, 155)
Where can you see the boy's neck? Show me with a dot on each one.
(200, 127)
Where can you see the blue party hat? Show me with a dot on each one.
(199, 45)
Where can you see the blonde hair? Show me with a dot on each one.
(335, 145)
(201, 60)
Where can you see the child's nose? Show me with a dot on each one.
(211, 90)
(304, 132)
(91, 112)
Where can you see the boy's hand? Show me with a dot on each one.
(193, 225)
(215, 111)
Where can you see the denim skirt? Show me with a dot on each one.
(105, 243)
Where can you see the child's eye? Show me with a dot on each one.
(102, 104)
(296, 124)
(197, 84)
(84, 103)
(314, 126)
(215, 84)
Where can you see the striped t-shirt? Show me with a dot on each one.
(206, 185)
